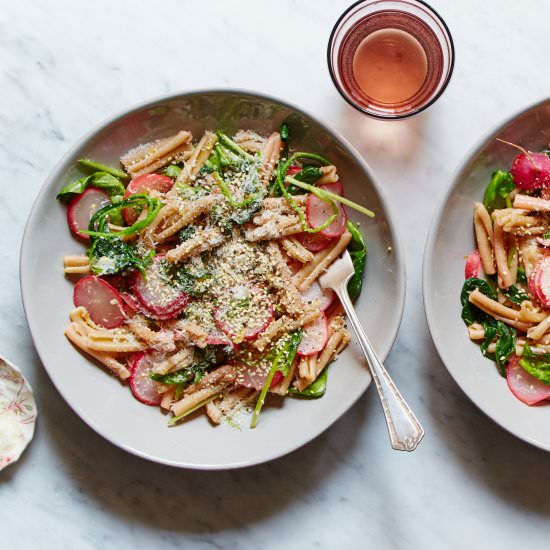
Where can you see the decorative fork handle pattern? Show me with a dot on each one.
(403, 426)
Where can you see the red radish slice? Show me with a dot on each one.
(83, 207)
(531, 170)
(218, 338)
(541, 282)
(317, 213)
(143, 388)
(337, 187)
(314, 242)
(325, 296)
(314, 337)
(155, 182)
(252, 376)
(293, 170)
(524, 386)
(103, 302)
(294, 266)
(473, 267)
(243, 312)
(155, 294)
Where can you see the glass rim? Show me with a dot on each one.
(390, 116)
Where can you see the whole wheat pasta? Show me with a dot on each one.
(537, 332)
(149, 157)
(204, 239)
(328, 175)
(270, 155)
(295, 249)
(484, 235)
(79, 264)
(308, 274)
(249, 141)
(105, 359)
(531, 203)
(195, 162)
(501, 256)
(179, 360)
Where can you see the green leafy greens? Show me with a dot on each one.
(357, 249)
(515, 295)
(471, 313)
(537, 365)
(498, 191)
(282, 356)
(315, 390)
(111, 256)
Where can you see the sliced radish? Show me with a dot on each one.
(254, 376)
(294, 266)
(531, 170)
(314, 242)
(337, 187)
(524, 386)
(156, 182)
(317, 213)
(103, 302)
(216, 337)
(155, 294)
(83, 207)
(541, 282)
(143, 388)
(314, 336)
(243, 312)
(293, 170)
(325, 296)
(473, 267)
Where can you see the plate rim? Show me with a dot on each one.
(429, 251)
(397, 250)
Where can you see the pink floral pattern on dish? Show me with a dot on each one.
(17, 413)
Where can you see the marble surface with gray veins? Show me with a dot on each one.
(65, 66)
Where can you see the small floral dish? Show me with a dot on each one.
(17, 413)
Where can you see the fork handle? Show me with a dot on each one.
(403, 426)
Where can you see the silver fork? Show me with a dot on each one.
(404, 428)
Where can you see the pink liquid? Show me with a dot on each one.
(390, 66)
(390, 60)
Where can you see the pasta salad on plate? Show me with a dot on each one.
(199, 286)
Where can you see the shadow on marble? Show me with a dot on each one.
(186, 501)
(392, 141)
(512, 469)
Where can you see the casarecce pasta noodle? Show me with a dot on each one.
(506, 296)
(199, 285)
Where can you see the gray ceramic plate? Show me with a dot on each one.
(451, 238)
(108, 406)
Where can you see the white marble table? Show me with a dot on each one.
(65, 65)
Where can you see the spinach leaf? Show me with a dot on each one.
(521, 276)
(536, 365)
(188, 279)
(282, 355)
(313, 391)
(205, 359)
(111, 256)
(506, 345)
(100, 167)
(103, 180)
(309, 174)
(496, 194)
(186, 233)
(284, 131)
(515, 295)
(471, 313)
(172, 171)
(357, 249)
